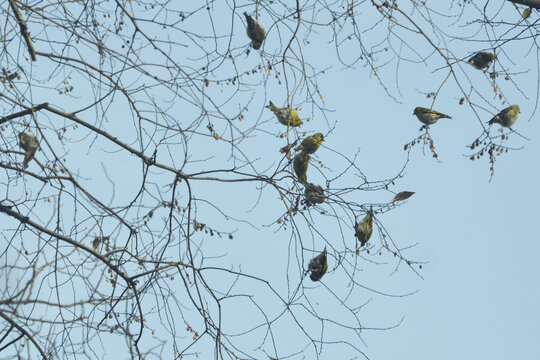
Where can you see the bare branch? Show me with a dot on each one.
(535, 4)
(24, 29)
(24, 112)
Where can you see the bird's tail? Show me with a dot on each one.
(249, 19)
(28, 157)
(272, 107)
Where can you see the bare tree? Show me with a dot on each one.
(150, 118)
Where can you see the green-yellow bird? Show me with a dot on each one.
(30, 145)
(428, 116)
(527, 13)
(364, 229)
(286, 116)
(318, 266)
(255, 32)
(312, 143)
(314, 194)
(481, 60)
(507, 117)
(300, 165)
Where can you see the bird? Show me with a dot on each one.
(481, 60)
(312, 143)
(96, 243)
(428, 116)
(314, 194)
(286, 116)
(30, 145)
(318, 266)
(507, 117)
(404, 195)
(255, 32)
(300, 165)
(364, 229)
(527, 13)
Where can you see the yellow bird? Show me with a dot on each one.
(300, 165)
(312, 143)
(286, 116)
(30, 145)
(318, 266)
(481, 60)
(255, 32)
(428, 116)
(507, 117)
(364, 229)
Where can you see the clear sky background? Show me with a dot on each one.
(475, 235)
(479, 296)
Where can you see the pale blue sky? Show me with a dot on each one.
(480, 293)
(476, 235)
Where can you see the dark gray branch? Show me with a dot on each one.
(24, 29)
(26, 220)
(530, 3)
(23, 113)
(24, 332)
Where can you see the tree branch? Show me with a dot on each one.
(26, 220)
(24, 29)
(23, 113)
(530, 3)
(23, 331)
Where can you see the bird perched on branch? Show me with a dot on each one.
(311, 143)
(507, 117)
(314, 194)
(255, 32)
(286, 115)
(364, 229)
(300, 165)
(481, 60)
(428, 116)
(318, 266)
(30, 145)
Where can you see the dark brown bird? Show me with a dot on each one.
(318, 266)
(314, 194)
(255, 32)
(481, 60)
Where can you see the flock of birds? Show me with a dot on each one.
(314, 194)
(507, 117)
